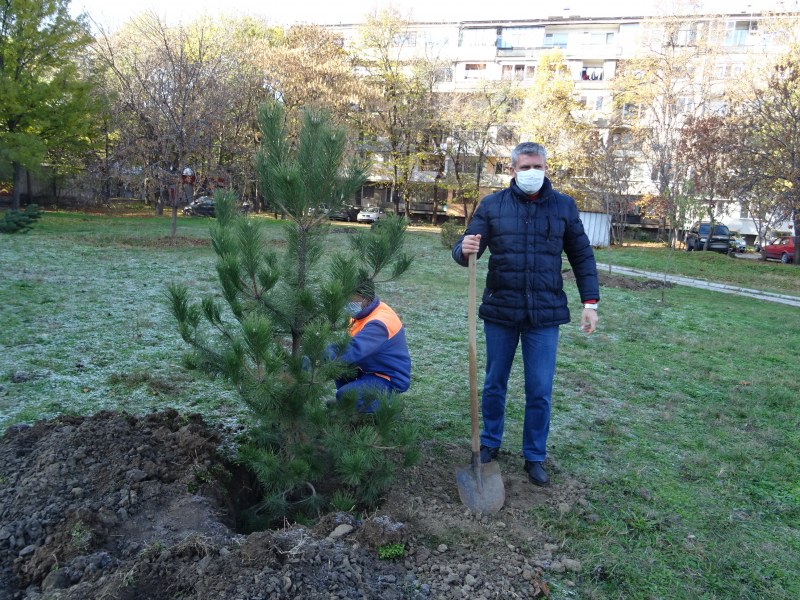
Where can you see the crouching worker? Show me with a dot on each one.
(377, 349)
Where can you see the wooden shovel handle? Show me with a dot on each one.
(473, 353)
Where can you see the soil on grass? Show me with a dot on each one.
(117, 506)
(610, 280)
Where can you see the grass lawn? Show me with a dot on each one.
(682, 414)
(748, 272)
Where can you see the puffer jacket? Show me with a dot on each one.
(526, 237)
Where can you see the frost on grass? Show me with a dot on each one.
(82, 314)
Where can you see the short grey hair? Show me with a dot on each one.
(527, 148)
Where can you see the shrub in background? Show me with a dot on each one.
(450, 232)
(19, 221)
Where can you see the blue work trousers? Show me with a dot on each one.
(368, 390)
(539, 348)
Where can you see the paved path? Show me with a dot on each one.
(708, 285)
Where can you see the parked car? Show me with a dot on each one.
(737, 244)
(345, 213)
(322, 209)
(370, 214)
(720, 238)
(781, 249)
(202, 206)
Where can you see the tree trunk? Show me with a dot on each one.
(174, 224)
(29, 185)
(15, 192)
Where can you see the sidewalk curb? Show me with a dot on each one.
(708, 285)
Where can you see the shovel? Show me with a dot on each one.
(480, 486)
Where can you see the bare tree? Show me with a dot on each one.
(613, 158)
(171, 101)
(476, 122)
(657, 91)
(402, 110)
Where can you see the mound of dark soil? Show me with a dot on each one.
(116, 506)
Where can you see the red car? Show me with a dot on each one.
(781, 249)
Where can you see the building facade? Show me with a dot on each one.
(473, 52)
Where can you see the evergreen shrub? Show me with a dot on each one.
(280, 315)
(17, 221)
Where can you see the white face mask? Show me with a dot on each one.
(353, 308)
(529, 181)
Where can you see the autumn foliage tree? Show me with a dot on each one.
(398, 117)
(655, 92)
(770, 115)
(708, 144)
(548, 117)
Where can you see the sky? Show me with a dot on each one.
(112, 13)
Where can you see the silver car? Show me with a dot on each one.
(370, 214)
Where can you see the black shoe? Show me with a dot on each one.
(488, 454)
(536, 473)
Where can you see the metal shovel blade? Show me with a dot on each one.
(480, 486)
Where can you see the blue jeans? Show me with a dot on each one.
(539, 359)
(368, 390)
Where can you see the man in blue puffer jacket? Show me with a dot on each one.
(526, 227)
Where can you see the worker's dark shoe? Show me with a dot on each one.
(488, 454)
(536, 473)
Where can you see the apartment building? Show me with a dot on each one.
(472, 52)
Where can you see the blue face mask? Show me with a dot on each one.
(353, 308)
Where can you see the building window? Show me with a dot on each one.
(592, 102)
(631, 111)
(599, 39)
(475, 71)
(684, 105)
(555, 40)
(736, 32)
(505, 135)
(443, 74)
(728, 71)
(520, 37)
(592, 73)
(478, 37)
(718, 107)
(744, 211)
(686, 34)
(406, 38)
(470, 164)
(518, 72)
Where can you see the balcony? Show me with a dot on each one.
(518, 52)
